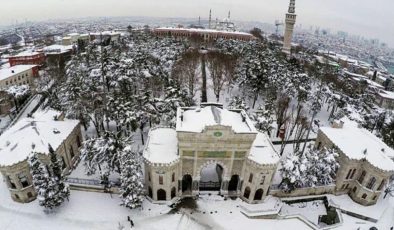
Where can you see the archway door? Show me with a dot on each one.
(211, 177)
(161, 194)
(259, 194)
(233, 184)
(247, 192)
(187, 184)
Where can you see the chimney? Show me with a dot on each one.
(338, 124)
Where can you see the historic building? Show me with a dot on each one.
(27, 58)
(289, 27)
(35, 134)
(211, 149)
(18, 75)
(365, 161)
(204, 34)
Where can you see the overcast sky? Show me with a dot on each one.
(370, 18)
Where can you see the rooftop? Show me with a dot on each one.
(387, 94)
(358, 143)
(161, 146)
(262, 151)
(11, 71)
(33, 134)
(197, 118)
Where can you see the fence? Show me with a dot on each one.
(305, 191)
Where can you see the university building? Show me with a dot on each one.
(211, 149)
(366, 163)
(35, 134)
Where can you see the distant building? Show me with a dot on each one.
(204, 34)
(385, 99)
(27, 58)
(176, 160)
(57, 55)
(290, 22)
(366, 163)
(18, 75)
(35, 134)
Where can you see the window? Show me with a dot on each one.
(381, 185)
(354, 189)
(347, 186)
(29, 194)
(374, 198)
(364, 196)
(64, 163)
(148, 176)
(362, 176)
(72, 152)
(16, 196)
(371, 183)
(173, 177)
(349, 173)
(160, 179)
(354, 171)
(262, 180)
(319, 145)
(11, 183)
(23, 180)
(343, 186)
(250, 178)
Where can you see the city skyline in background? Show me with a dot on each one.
(355, 17)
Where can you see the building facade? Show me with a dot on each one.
(289, 27)
(27, 58)
(365, 164)
(18, 75)
(203, 34)
(35, 135)
(176, 160)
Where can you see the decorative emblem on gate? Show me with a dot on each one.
(217, 134)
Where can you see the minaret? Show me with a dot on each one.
(210, 19)
(290, 21)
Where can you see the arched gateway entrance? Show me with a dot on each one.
(211, 177)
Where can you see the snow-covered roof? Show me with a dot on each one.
(197, 30)
(161, 146)
(26, 53)
(262, 151)
(387, 94)
(57, 49)
(196, 119)
(14, 70)
(358, 143)
(33, 134)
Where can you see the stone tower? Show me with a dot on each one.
(290, 21)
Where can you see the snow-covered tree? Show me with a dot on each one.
(314, 168)
(51, 190)
(131, 176)
(18, 92)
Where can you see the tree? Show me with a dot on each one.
(314, 168)
(132, 187)
(51, 190)
(388, 134)
(18, 92)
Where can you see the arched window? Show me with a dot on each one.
(150, 194)
(382, 184)
(250, 178)
(361, 178)
(29, 194)
(173, 177)
(161, 194)
(173, 192)
(247, 192)
(364, 196)
(348, 174)
(374, 198)
(160, 179)
(354, 189)
(259, 194)
(262, 180)
(354, 171)
(371, 183)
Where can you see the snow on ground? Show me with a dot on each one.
(310, 210)
(33, 103)
(4, 122)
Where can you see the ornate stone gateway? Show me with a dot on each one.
(211, 149)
